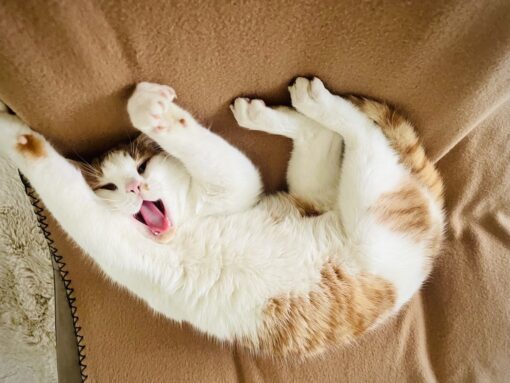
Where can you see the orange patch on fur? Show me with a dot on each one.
(31, 146)
(283, 206)
(402, 137)
(339, 309)
(405, 210)
(305, 208)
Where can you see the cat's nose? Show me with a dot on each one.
(133, 186)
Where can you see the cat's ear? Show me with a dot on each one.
(146, 146)
(88, 171)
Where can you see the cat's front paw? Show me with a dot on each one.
(250, 114)
(149, 105)
(17, 139)
(308, 95)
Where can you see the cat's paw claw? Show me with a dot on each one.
(248, 113)
(148, 104)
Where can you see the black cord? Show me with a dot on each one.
(59, 261)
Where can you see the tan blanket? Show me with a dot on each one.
(67, 68)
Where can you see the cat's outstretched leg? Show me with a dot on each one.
(63, 190)
(314, 165)
(224, 179)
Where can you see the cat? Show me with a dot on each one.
(179, 218)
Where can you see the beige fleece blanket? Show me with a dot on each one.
(67, 68)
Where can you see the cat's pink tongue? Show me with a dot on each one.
(154, 218)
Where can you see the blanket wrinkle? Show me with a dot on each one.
(127, 52)
(487, 114)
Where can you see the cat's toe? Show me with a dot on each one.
(305, 94)
(148, 104)
(248, 113)
(164, 90)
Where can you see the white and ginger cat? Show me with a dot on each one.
(184, 226)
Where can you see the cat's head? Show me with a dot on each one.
(139, 181)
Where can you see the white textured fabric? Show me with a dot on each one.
(27, 315)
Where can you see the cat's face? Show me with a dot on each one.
(132, 181)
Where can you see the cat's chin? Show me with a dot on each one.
(153, 219)
(162, 238)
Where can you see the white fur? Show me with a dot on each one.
(229, 256)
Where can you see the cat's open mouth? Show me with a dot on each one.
(153, 215)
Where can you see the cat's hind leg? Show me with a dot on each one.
(314, 165)
(390, 221)
(370, 166)
(253, 114)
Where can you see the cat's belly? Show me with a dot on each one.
(234, 265)
(220, 272)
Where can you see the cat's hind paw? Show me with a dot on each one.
(250, 114)
(308, 96)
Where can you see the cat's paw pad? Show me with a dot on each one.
(17, 138)
(149, 104)
(31, 145)
(306, 94)
(249, 113)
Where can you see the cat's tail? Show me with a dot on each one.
(402, 136)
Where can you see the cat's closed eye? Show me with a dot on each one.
(142, 166)
(109, 186)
